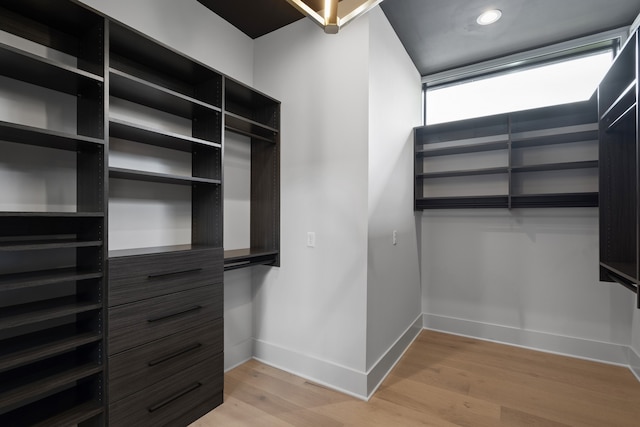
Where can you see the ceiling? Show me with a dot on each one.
(440, 35)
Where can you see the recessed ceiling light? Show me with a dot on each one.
(489, 17)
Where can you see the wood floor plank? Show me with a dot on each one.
(442, 381)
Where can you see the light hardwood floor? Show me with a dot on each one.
(442, 380)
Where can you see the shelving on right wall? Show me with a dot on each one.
(544, 157)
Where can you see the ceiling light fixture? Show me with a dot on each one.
(489, 17)
(333, 14)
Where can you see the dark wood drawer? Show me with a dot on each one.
(138, 323)
(140, 277)
(142, 366)
(176, 400)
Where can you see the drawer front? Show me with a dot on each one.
(140, 277)
(142, 366)
(138, 323)
(177, 400)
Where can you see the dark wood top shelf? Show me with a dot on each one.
(243, 126)
(45, 384)
(27, 67)
(467, 172)
(241, 258)
(25, 349)
(556, 166)
(45, 138)
(25, 314)
(146, 135)
(626, 98)
(159, 177)
(46, 277)
(134, 89)
(73, 416)
(626, 270)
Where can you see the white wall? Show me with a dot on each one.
(188, 27)
(312, 310)
(528, 277)
(393, 273)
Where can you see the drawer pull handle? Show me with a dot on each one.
(175, 354)
(178, 313)
(173, 397)
(173, 273)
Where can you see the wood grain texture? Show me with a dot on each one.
(442, 380)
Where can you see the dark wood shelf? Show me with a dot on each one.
(586, 132)
(15, 394)
(146, 135)
(560, 200)
(587, 164)
(44, 72)
(41, 278)
(626, 98)
(624, 121)
(251, 128)
(26, 314)
(462, 149)
(242, 258)
(500, 201)
(48, 242)
(73, 416)
(157, 250)
(139, 91)
(625, 270)
(26, 349)
(159, 177)
(52, 214)
(467, 172)
(30, 135)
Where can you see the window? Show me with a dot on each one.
(574, 78)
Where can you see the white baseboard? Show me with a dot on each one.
(615, 354)
(383, 366)
(341, 378)
(237, 354)
(634, 363)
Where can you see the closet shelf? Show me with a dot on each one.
(26, 349)
(626, 98)
(27, 67)
(157, 250)
(146, 135)
(10, 282)
(467, 172)
(565, 135)
(560, 200)
(159, 177)
(45, 384)
(497, 201)
(243, 126)
(587, 164)
(47, 242)
(73, 416)
(241, 258)
(52, 214)
(47, 138)
(40, 311)
(139, 91)
(462, 149)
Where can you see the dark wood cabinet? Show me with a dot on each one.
(52, 257)
(619, 157)
(545, 157)
(95, 333)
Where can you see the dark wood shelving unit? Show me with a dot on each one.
(619, 182)
(60, 300)
(509, 135)
(257, 116)
(51, 313)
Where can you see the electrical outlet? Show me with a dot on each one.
(395, 237)
(311, 239)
